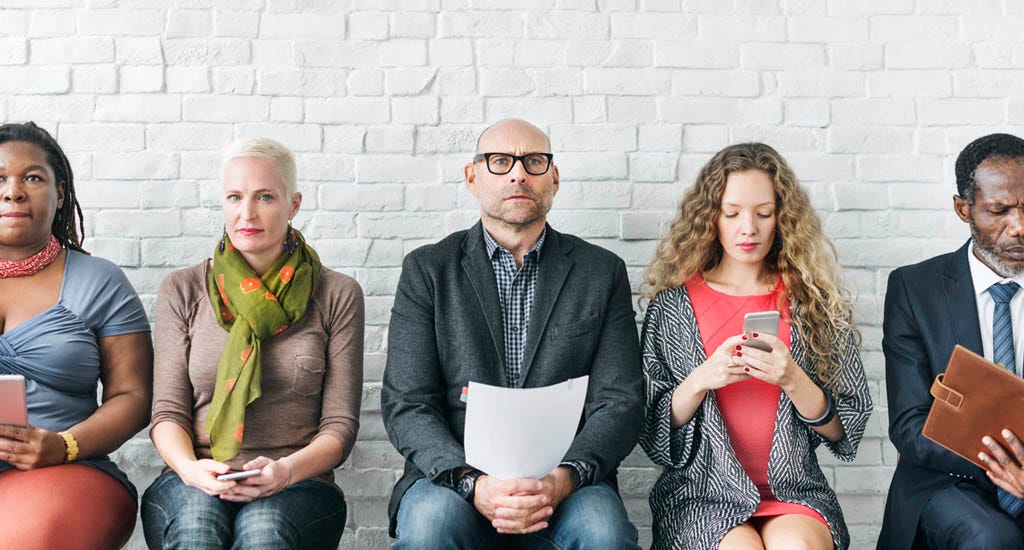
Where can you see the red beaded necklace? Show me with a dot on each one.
(33, 264)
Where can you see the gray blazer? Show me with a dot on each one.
(703, 491)
(446, 329)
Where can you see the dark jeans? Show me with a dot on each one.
(308, 515)
(592, 518)
(966, 515)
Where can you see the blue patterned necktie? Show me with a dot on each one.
(1002, 353)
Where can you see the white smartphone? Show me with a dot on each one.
(12, 400)
(235, 476)
(761, 322)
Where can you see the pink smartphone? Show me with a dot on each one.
(12, 400)
(235, 476)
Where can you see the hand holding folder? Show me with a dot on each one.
(974, 398)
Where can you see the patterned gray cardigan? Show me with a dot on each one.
(703, 491)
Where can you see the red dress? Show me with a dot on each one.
(749, 407)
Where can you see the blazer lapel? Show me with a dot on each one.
(962, 307)
(554, 268)
(480, 273)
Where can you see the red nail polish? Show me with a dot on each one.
(744, 336)
(738, 354)
(746, 369)
(739, 348)
(755, 335)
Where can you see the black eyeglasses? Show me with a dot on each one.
(535, 164)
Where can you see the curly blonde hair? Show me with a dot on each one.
(801, 253)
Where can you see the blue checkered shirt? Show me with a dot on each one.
(516, 289)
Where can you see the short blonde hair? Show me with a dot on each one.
(267, 149)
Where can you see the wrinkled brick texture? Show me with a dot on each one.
(381, 100)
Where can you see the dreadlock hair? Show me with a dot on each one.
(1003, 146)
(63, 228)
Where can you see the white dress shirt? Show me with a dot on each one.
(983, 277)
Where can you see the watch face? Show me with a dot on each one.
(466, 484)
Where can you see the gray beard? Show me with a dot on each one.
(986, 252)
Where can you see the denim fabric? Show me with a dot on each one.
(309, 515)
(592, 518)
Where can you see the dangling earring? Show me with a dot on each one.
(289, 240)
(223, 239)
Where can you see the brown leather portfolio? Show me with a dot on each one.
(974, 398)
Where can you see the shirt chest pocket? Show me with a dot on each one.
(308, 375)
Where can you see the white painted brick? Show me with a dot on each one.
(826, 83)
(588, 53)
(538, 53)
(431, 197)
(137, 50)
(645, 225)
(456, 81)
(586, 224)
(960, 7)
(656, 26)
(697, 54)
(412, 25)
(187, 80)
(626, 81)
(480, 25)
(366, 82)
(957, 112)
(203, 165)
(495, 52)
(139, 165)
(148, 223)
(409, 81)
(188, 24)
(720, 110)
(444, 139)
(120, 22)
(993, 55)
(716, 83)
(898, 168)
(123, 252)
(653, 167)
(99, 79)
(178, 252)
(977, 83)
(782, 56)
(206, 51)
(302, 26)
(856, 139)
(58, 108)
(915, 196)
(188, 136)
(233, 80)
(403, 53)
(742, 28)
(450, 52)
(368, 26)
(119, 138)
(317, 167)
(340, 253)
(287, 109)
(107, 194)
(910, 83)
(83, 49)
(389, 139)
(14, 22)
(593, 138)
(873, 112)
(856, 57)
(226, 108)
(461, 109)
(896, 28)
(164, 194)
(589, 109)
(827, 29)
(362, 197)
(786, 139)
(927, 55)
(821, 167)
(992, 27)
(343, 139)
(348, 110)
(141, 78)
(396, 169)
(13, 51)
(306, 82)
(267, 53)
(297, 137)
(135, 108)
(550, 110)
(660, 138)
(870, 7)
(705, 138)
(807, 112)
(557, 82)
(235, 24)
(860, 196)
(590, 167)
(566, 25)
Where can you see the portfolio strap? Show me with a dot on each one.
(946, 394)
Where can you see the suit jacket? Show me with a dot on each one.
(446, 329)
(929, 308)
(703, 490)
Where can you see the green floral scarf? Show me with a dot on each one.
(252, 309)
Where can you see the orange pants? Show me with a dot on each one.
(69, 507)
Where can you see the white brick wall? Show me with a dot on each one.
(382, 101)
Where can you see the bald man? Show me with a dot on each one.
(510, 302)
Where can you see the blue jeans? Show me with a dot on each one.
(309, 515)
(591, 518)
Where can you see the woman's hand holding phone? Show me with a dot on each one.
(202, 474)
(721, 368)
(274, 477)
(775, 367)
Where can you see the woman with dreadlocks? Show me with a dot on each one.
(67, 321)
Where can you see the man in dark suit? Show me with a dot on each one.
(510, 302)
(969, 297)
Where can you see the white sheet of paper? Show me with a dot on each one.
(522, 432)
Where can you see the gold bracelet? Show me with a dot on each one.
(70, 447)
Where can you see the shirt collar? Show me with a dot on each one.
(493, 246)
(982, 275)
